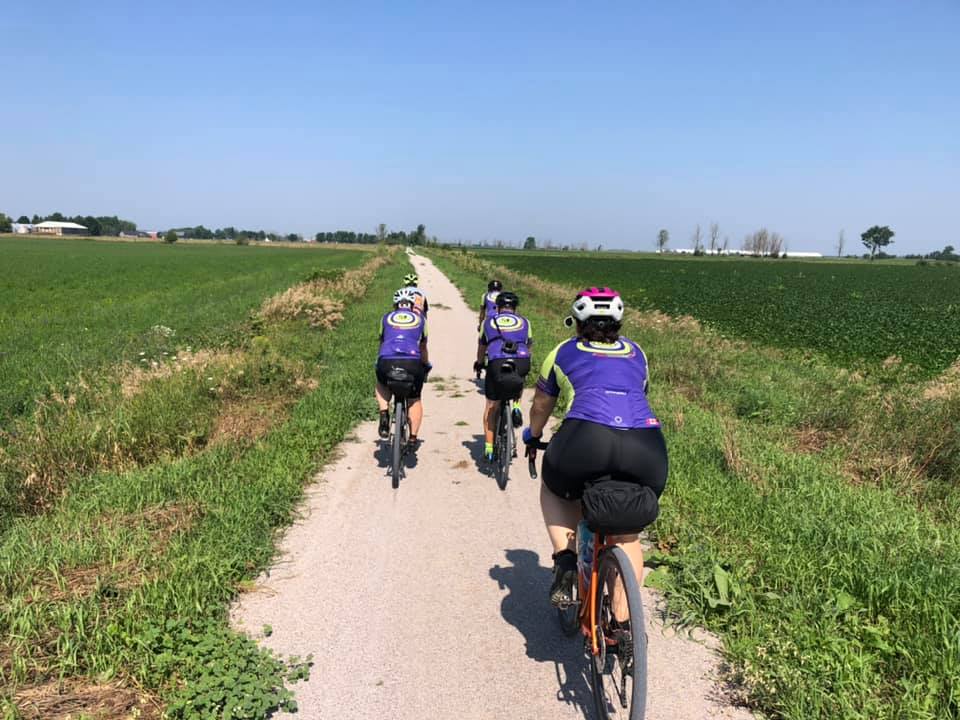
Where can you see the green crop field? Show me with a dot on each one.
(68, 306)
(848, 311)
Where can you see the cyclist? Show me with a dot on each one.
(410, 280)
(488, 306)
(505, 340)
(403, 344)
(608, 430)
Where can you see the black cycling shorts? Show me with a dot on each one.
(503, 383)
(414, 367)
(582, 452)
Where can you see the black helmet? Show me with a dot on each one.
(507, 299)
(494, 285)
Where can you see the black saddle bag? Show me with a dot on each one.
(509, 381)
(400, 382)
(614, 507)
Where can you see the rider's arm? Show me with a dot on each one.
(543, 405)
(482, 347)
(424, 355)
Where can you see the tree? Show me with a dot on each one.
(663, 237)
(714, 237)
(697, 240)
(840, 241)
(170, 237)
(24, 220)
(6, 225)
(381, 233)
(419, 235)
(726, 244)
(877, 237)
(530, 243)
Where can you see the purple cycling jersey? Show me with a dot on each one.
(506, 327)
(489, 303)
(400, 334)
(602, 383)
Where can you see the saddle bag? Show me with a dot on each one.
(509, 382)
(614, 507)
(400, 382)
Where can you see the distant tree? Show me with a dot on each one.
(6, 224)
(293, 237)
(776, 243)
(36, 220)
(726, 243)
(697, 240)
(663, 237)
(530, 243)
(241, 239)
(24, 220)
(840, 242)
(714, 237)
(56, 217)
(381, 233)
(877, 237)
(170, 237)
(419, 236)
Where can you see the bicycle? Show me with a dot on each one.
(504, 442)
(616, 650)
(400, 384)
(399, 437)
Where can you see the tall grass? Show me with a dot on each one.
(834, 599)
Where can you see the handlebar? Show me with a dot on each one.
(531, 454)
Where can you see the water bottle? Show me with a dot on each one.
(585, 539)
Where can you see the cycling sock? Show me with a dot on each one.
(488, 448)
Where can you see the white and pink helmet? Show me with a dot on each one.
(598, 303)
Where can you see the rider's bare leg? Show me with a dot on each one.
(634, 550)
(415, 408)
(489, 420)
(383, 397)
(561, 518)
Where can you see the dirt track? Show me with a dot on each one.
(430, 601)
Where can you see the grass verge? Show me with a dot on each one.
(128, 576)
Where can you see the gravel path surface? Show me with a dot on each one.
(430, 601)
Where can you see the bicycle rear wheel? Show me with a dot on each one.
(504, 444)
(619, 672)
(399, 425)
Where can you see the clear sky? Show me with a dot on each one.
(597, 122)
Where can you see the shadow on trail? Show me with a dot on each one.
(475, 446)
(526, 608)
(383, 454)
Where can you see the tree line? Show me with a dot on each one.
(95, 224)
(381, 235)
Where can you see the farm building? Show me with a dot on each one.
(22, 228)
(54, 227)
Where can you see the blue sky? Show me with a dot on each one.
(569, 121)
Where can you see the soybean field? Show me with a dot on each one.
(847, 311)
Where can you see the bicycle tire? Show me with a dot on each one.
(609, 683)
(506, 444)
(399, 421)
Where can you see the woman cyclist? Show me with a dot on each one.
(420, 303)
(608, 430)
(488, 308)
(505, 341)
(403, 344)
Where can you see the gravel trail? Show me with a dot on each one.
(430, 601)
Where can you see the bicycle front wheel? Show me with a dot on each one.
(399, 424)
(619, 671)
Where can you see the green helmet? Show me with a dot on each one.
(410, 279)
